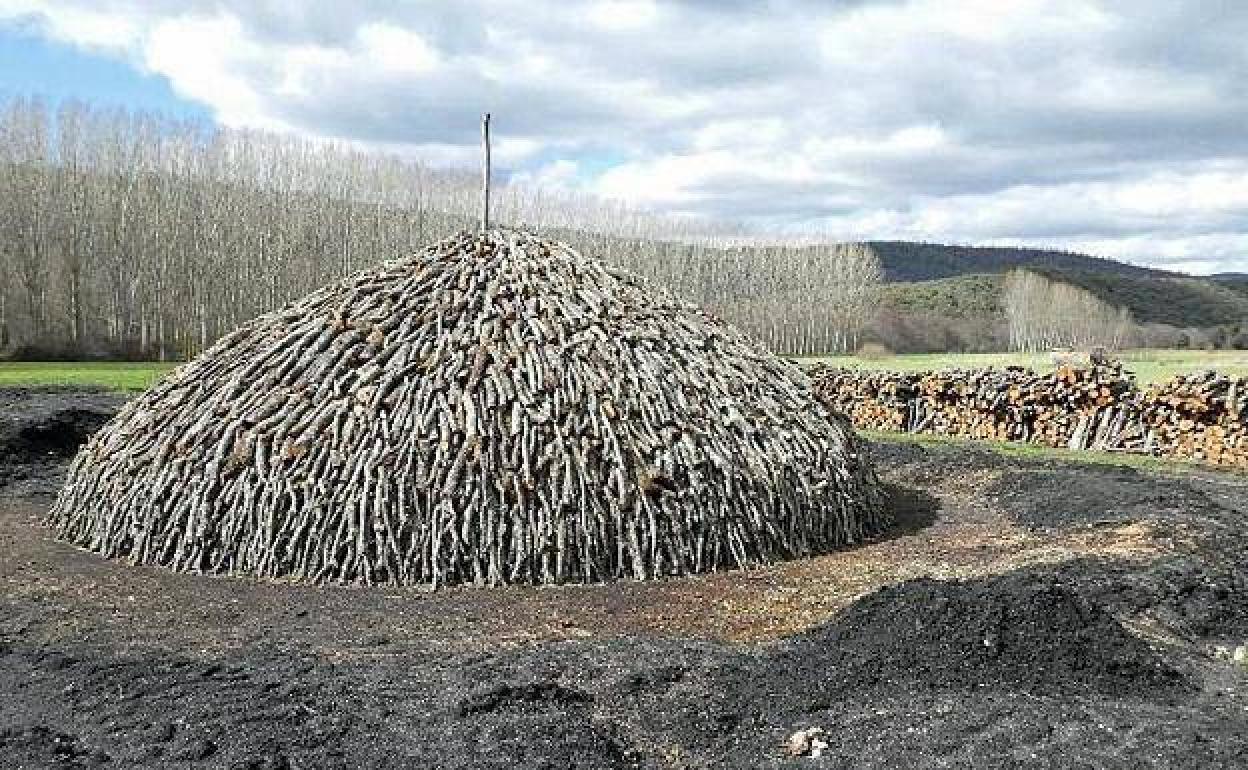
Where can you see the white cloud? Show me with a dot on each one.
(1077, 123)
(622, 14)
(93, 28)
(201, 56)
(396, 50)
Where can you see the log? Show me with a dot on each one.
(494, 409)
(1202, 417)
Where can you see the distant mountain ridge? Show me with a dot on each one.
(1237, 282)
(907, 261)
(944, 278)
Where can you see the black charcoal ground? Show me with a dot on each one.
(1028, 669)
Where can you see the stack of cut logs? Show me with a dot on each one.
(495, 409)
(1198, 417)
(1202, 417)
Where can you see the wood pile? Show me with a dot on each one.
(1199, 417)
(1202, 417)
(495, 409)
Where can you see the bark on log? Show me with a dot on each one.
(495, 409)
(1200, 417)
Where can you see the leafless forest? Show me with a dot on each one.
(1044, 314)
(132, 234)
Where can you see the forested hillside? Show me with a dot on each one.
(965, 296)
(906, 261)
(963, 313)
(949, 278)
(1169, 299)
(1236, 282)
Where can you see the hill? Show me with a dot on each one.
(977, 295)
(952, 279)
(1236, 282)
(908, 261)
(1169, 299)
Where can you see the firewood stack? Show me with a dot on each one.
(1202, 417)
(495, 409)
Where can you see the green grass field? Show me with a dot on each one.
(115, 376)
(1147, 365)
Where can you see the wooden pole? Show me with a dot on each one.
(485, 172)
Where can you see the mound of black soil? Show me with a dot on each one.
(901, 678)
(1192, 596)
(1060, 498)
(42, 428)
(38, 424)
(1024, 631)
(1201, 591)
(76, 707)
(40, 747)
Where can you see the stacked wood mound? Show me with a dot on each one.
(1199, 417)
(496, 409)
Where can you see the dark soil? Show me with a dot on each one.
(1196, 594)
(1044, 498)
(642, 702)
(1006, 622)
(1024, 630)
(43, 427)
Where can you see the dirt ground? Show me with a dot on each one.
(1020, 614)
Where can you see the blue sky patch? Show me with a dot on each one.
(34, 66)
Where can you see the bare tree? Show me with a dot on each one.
(134, 233)
(1045, 314)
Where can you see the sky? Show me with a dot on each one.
(1113, 128)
